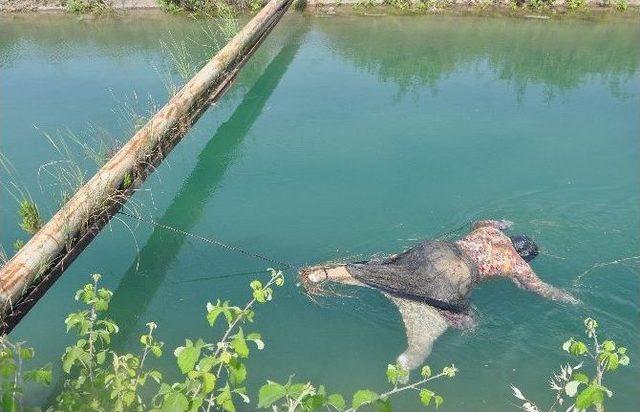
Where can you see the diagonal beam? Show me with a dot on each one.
(31, 271)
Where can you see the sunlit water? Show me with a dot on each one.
(346, 137)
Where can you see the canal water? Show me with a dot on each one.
(343, 138)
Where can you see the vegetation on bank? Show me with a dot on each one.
(214, 374)
(222, 7)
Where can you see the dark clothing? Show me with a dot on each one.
(436, 273)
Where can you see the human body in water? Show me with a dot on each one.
(430, 283)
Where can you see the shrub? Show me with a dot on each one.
(213, 373)
(622, 5)
(574, 383)
(576, 4)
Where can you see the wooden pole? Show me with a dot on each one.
(36, 266)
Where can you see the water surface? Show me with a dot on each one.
(347, 137)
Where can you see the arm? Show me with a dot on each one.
(498, 224)
(524, 277)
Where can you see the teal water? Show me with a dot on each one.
(342, 138)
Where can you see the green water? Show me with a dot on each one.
(342, 138)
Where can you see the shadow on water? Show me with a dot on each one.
(186, 209)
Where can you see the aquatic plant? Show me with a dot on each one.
(214, 373)
(574, 384)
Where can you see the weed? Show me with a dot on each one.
(86, 6)
(128, 181)
(576, 4)
(364, 4)
(255, 5)
(30, 216)
(399, 4)
(622, 5)
(17, 245)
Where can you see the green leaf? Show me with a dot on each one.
(439, 399)
(41, 375)
(578, 348)
(101, 356)
(337, 401)
(270, 394)
(363, 397)
(425, 372)
(392, 374)
(260, 295)
(612, 361)
(237, 372)
(26, 353)
(9, 403)
(72, 354)
(590, 396)
(581, 377)
(624, 360)
(187, 358)
(207, 363)
(425, 396)
(257, 339)
(208, 381)
(383, 405)
(174, 402)
(295, 391)
(609, 345)
(225, 400)
(450, 371)
(239, 344)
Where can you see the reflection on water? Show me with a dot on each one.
(185, 210)
(360, 136)
(416, 52)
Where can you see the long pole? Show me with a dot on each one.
(36, 266)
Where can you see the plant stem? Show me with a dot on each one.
(403, 388)
(304, 393)
(222, 343)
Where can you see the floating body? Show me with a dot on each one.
(431, 282)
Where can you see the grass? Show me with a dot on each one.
(31, 221)
(87, 6)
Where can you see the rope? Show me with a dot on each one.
(210, 241)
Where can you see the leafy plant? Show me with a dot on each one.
(86, 6)
(255, 5)
(291, 396)
(622, 5)
(13, 375)
(573, 383)
(364, 4)
(576, 4)
(31, 221)
(214, 373)
(399, 4)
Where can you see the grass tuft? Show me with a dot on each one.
(31, 221)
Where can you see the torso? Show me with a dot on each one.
(491, 250)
